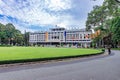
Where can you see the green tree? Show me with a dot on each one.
(100, 18)
(2, 33)
(26, 38)
(115, 30)
(10, 36)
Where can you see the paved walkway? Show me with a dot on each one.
(104, 68)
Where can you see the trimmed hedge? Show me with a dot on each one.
(5, 46)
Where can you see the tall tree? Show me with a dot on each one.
(26, 38)
(115, 29)
(101, 16)
(2, 33)
(10, 35)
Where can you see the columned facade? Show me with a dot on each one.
(62, 36)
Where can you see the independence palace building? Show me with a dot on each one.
(58, 36)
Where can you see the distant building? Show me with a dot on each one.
(58, 36)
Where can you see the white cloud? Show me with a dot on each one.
(32, 11)
(23, 29)
(1, 12)
(58, 5)
(39, 12)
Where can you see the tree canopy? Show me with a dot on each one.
(105, 18)
(10, 35)
(115, 29)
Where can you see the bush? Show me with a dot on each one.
(5, 46)
(103, 50)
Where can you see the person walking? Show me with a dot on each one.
(109, 50)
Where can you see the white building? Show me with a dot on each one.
(61, 36)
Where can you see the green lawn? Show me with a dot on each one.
(116, 48)
(19, 53)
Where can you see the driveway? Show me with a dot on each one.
(98, 68)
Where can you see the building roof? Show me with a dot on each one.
(57, 29)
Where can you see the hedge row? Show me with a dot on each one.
(5, 46)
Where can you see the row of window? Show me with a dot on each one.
(57, 37)
(60, 40)
(60, 34)
(77, 40)
(73, 35)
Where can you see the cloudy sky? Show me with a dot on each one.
(36, 15)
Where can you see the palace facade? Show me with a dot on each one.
(58, 36)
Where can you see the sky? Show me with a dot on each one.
(39, 15)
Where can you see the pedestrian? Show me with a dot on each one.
(109, 50)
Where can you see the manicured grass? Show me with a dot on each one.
(22, 53)
(116, 48)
